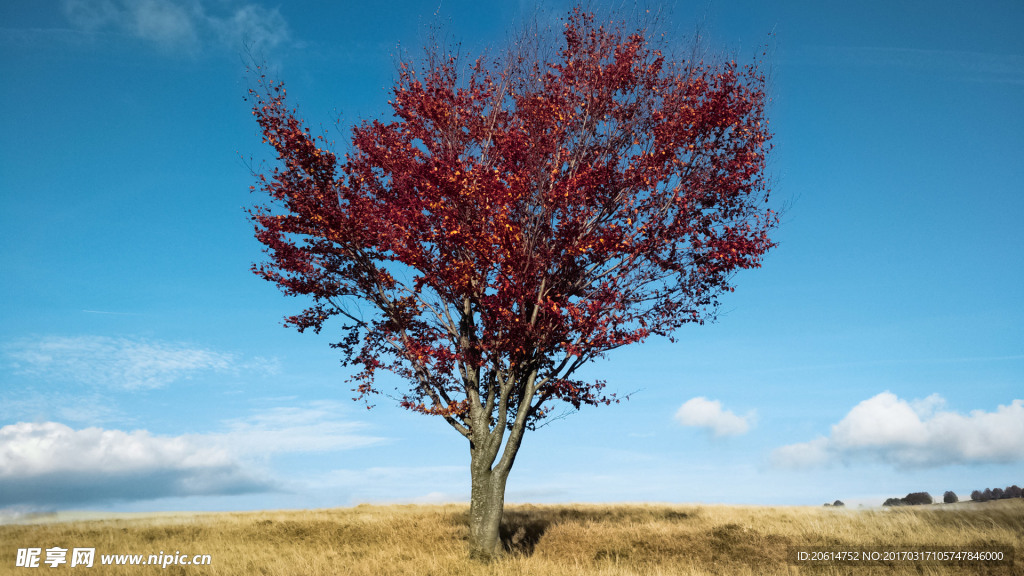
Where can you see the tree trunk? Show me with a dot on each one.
(489, 472)
(487, 502)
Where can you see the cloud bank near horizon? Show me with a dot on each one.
(915, 434)
(50, 464)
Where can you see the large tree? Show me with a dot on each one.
(519, 216)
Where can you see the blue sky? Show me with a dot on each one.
(879, 351)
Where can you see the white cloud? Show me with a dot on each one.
(120, 363)
(253, 26)
(703, 413)
(51, 464)
(914, 435)
(310, 428)
(91, 14)
(803, 455)
(88, 408)
(163, 21)
(925, 407)
(182, 24)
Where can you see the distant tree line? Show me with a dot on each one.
(836, 503)
(950, 497)
(997, 493)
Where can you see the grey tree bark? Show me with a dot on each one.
(486, 508)
(489, 473)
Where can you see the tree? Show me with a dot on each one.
(918, 498)
(1013, 492)
(976, 496)
(950, 497)
(518, 218)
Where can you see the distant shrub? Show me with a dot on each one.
(912, 499)
(918, 498)
(950, 497)
(838, 503)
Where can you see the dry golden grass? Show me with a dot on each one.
(543, 540)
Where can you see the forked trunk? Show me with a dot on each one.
(489, 472)
(487, 502)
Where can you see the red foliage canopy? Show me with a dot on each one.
(520, 217)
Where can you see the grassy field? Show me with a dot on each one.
(543, 540)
